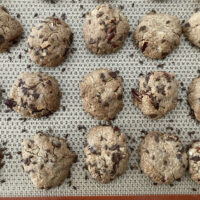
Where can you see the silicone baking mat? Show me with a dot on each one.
(184, 62)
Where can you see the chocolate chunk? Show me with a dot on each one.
(56, 144)
(116, 157)
(35, 95)
(2, 39)
(92, 150)
(91, 41)
(99, 14)
(136, 95)
(168, 22)
(156, 137)
(113, 74)
(114, 147)
(10, 103)
(144, 46)
(195, 158)
(187, 25)
(142, 28)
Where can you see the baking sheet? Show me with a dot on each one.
(184, 62)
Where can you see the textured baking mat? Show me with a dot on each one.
(184, 62)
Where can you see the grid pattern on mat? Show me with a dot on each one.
(184, 62)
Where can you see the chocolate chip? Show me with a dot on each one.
(110, 36)
(167, 22)
(82, 127)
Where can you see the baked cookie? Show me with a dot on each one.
(34, 95)
(162, 157)
(105, 29)
(10, 30)
(106, 153)
(194, 161)
(194, 96)
(47, 160)
(191, 29)
(157, 94)
(157, 35)
(49, 42)
(102, 94)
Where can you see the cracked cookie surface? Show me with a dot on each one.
(106, 153)
(194, 96)
(102, 94)
(162, 157)
(157, 95)
(194, 161)
(105, 29)
(191, 29)
(49, 42)
(47, 160)
(34, 95)
(157, 35)
(10, 30)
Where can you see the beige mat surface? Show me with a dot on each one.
(184, 62)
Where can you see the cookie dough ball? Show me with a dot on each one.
(10, 30)
(105, 29)
(194, 96)
(157, 94)
(106, 153)
(157, 35)
(47, 160)
(191, 29)
(194, 161)
(102, 93)
(49, 42)
(162, 157)
(34, 95)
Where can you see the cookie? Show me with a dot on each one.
(102, 94)
(34, 95)
(157, 35)
(194, 96)
(49, 42)
(191, 29)
(157, 95)
(105, 29)
(10, 30)
(47, 160)
(194, 161)
(162, 157)
(106, 153)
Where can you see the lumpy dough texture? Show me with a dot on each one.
(49, 42)
(162, 157)
(102, 94)
(106, 153)
(34, 95)
(157, 35)
(157, 94)
(105, 29)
